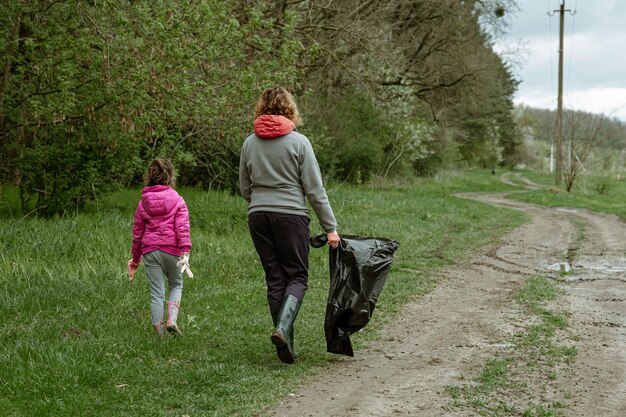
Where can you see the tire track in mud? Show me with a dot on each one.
(443, 337)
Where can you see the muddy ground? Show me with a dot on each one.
(444, 338)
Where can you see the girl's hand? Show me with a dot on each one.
(132, 267)
(333, 239)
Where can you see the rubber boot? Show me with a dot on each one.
(282, 336)
(295, 354)
(159, 328)
(275, 321)
(293, 345)
(172, 317)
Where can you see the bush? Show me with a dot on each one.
(604, 185)
(348, 134)
(93, 92)
(63, 174)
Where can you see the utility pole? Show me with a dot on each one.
(558, 172)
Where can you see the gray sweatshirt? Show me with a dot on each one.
(279, 174)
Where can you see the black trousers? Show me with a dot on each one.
(282, 242)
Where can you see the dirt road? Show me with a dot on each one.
(445, 337)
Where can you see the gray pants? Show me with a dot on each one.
(158, 266)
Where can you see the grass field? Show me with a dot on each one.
(76, 334)
(598, 193)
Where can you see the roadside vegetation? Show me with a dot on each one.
(596, 193)
(77, 337)
(521, 381)
(92, 91)
(602, 192)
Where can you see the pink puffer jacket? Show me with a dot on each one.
(161, 222)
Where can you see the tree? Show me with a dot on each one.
(581, 136)
(92, 90)
(425, 62)
(605, 135)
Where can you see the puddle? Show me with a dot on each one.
(609, 266)
(561, 267)
(568, 210)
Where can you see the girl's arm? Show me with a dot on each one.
(182, 227)
(139, 225)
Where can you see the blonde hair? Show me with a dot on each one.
(278, 101)
(160, 172)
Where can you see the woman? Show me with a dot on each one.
(278, 173)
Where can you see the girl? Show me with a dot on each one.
(161, 236)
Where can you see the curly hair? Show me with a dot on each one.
(278, 101)
(160, 172)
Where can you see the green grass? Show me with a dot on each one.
(591, 192)
(517, 382)
(538, 342)
(76, 334)
(77, 338)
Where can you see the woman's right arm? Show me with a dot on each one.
(311, 178)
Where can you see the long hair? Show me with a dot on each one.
(160, 172)
(278, 101)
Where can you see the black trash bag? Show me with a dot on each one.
(358, 271)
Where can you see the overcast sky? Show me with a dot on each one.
(594, 70)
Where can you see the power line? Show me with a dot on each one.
(551, 82)
(550, 45)
(571, 44)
